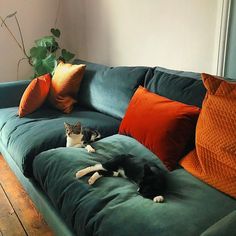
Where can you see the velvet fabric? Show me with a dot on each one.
(164, 126)
(112, 206)
(44, 129)
(186, 87)
(65, 86)
(225, 226)
(11, 93)
(109, 89)
(34, 95)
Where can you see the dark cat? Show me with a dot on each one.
(150, 179)
(78, 136)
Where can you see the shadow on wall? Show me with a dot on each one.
(78, 27)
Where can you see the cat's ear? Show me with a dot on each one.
(78, 125)
(66, 125)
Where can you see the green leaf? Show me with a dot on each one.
(38, 52)
(56, 32)
(46, 65)
(47, 41)
(66, 55)
(54, 47)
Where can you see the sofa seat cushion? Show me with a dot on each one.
(112, 205)
(26, 137)
(225, 226)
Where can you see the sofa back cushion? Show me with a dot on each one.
(185, 87)
(109, 89)
(214, 160)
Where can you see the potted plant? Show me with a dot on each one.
(45, 54)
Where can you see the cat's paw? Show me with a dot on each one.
(93, 178)
(158, 199)
(91, 181)
(90, 149)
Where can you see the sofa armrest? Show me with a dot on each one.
(11, 93)
(225, 226)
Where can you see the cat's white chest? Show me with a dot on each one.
(74, 140)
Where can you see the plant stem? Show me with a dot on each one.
(57, 12)
(18, 66)
(21, 37)
(3, 22)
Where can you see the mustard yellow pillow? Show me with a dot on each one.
(65, 85)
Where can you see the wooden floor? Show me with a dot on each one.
(18, 216)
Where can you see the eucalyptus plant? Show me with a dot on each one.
(46, 53)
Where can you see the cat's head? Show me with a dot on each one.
(72, 129)
(152, 183)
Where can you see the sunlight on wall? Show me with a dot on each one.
(179, 34)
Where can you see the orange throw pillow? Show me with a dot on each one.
(65, 86)
(34, 95)
(164, 126)
(214, 160)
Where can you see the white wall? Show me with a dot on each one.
(36, 18)
(179, 34)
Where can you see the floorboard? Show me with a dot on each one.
(8, 218)
(19, 207)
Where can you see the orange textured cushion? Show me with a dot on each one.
(65, 86)
(34, 95)
(214, 160)
(164, 126)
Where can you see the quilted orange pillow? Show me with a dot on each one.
(164, 126)
(34, 95)
(65, 86)
(214, 159)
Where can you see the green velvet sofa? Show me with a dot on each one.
(34, 147)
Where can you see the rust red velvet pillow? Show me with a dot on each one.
(34, 95)
(164, 126)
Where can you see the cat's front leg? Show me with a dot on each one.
(98, 174)
(94, 178)
(88, 170)
(89, 148)
(158, 199)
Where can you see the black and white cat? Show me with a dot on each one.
(78, 136)
(151, 180)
